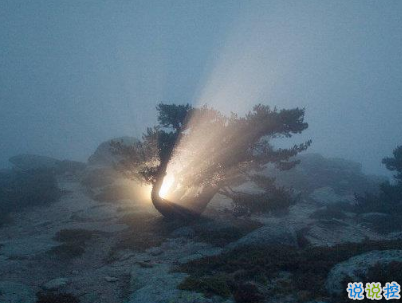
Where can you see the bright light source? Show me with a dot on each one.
(166, 185)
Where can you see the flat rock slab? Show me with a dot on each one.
(332, 232)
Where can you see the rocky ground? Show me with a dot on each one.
(99, 245)
(29, 259)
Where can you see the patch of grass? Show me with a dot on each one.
(224, 286)
(247, 293)
(308, 267)
(215, 285)
(67, 251)
(145, 231)
(50, 297)
(74, 241)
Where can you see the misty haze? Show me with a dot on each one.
(200, 151)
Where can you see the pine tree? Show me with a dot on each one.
(210, 153)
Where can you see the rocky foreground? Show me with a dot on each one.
(103, 242)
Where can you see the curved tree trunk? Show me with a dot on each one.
(170, 209)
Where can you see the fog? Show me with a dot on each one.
(76, 73)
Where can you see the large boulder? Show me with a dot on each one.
(11, 292)
(356, 268)
(103, 155)
(270, 234)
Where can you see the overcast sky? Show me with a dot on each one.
(75, 73)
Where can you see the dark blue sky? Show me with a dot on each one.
(74, 73)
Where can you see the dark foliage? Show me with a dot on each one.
(145, 231)
(247, 293)
(73, 243)
(395, 163)
(73, 235)
(309, 267)
(215, 285)
(50, 297)
(389, 199)
(274, 200)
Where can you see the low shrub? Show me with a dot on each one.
(247, 293)
(215, 285)
(308, 267)
(145, 231)
(73, 235)
(74, 242)
(67, 251)
(50, 297)
(273, 199)
(276, 202)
